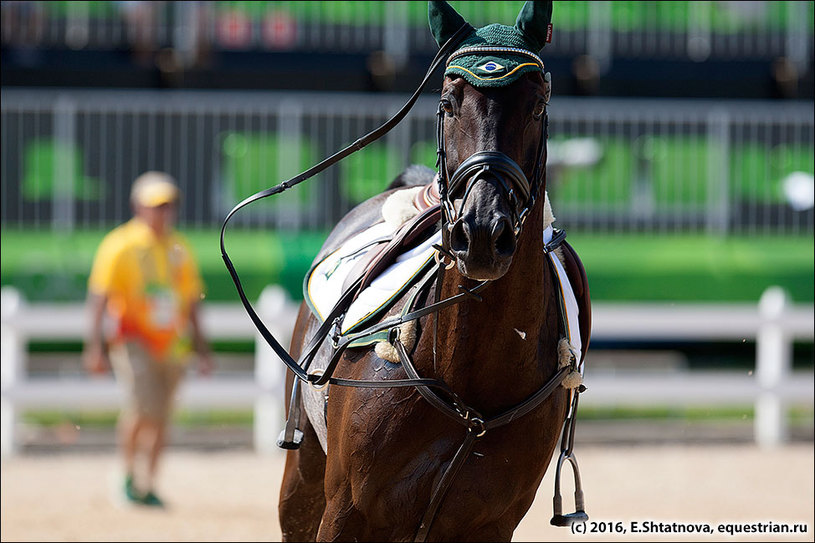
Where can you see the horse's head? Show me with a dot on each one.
(491, 132)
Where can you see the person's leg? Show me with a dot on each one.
(168, 375)
(142, 420)
(129, 426)
(155, 448)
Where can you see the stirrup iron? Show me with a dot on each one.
(291, 437)
(567, 453)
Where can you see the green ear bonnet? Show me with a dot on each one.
(494, 55)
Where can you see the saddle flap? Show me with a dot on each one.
(402, 240)
(377, 263)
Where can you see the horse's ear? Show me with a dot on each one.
(444, 20)
(533, 21)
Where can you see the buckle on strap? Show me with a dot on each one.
(558, 236)
(477, 426)
(336, 331)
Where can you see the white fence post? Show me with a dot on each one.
(773, 365)
(12, 366)
(278, 313)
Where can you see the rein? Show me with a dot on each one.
(520, 192)
(449, 46)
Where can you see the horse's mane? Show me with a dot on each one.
(414, 175)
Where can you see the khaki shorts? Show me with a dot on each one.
(149, 385)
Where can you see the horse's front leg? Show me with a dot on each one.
(341, 520)
(354, 492)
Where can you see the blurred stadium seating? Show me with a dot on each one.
(599, 47)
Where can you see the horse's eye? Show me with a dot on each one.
(447, 106)
(540, 107)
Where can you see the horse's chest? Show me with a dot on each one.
(502, 471)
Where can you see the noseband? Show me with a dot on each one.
(507, 174)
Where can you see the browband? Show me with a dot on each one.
(485, 49)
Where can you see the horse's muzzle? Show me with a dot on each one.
(482, 235)
(482, 238)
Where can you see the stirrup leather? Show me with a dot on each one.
(291, 436)
(567, 453)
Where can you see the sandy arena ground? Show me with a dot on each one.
(232, 496)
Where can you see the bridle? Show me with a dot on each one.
(522, 195)
(508, 175)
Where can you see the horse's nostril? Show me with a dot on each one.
(460, 237)
(503, 238)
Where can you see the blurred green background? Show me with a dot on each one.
(54, 267)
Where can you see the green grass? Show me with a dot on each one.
(795, 415)
(695, 268)
(54, 267)
(245, 417)
(107, 418)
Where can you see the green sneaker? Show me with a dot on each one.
(152, 500)
(131, 494)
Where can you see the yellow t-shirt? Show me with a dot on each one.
(151, 284)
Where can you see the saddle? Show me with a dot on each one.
(386, 253)
(369, 272)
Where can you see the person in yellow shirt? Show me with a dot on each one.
(144, 293)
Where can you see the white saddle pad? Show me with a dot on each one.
(323, 286)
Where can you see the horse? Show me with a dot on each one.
(449, 436)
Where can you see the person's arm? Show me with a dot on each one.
(95, 355)
(199, 342)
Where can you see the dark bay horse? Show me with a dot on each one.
(396, 465)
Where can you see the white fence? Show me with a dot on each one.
(774, 324)
(263, 391)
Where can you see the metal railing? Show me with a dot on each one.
(68, 157)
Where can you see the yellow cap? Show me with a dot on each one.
(152, 189)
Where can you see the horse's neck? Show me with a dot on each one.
(496, 352)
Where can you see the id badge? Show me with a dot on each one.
(163, 308)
